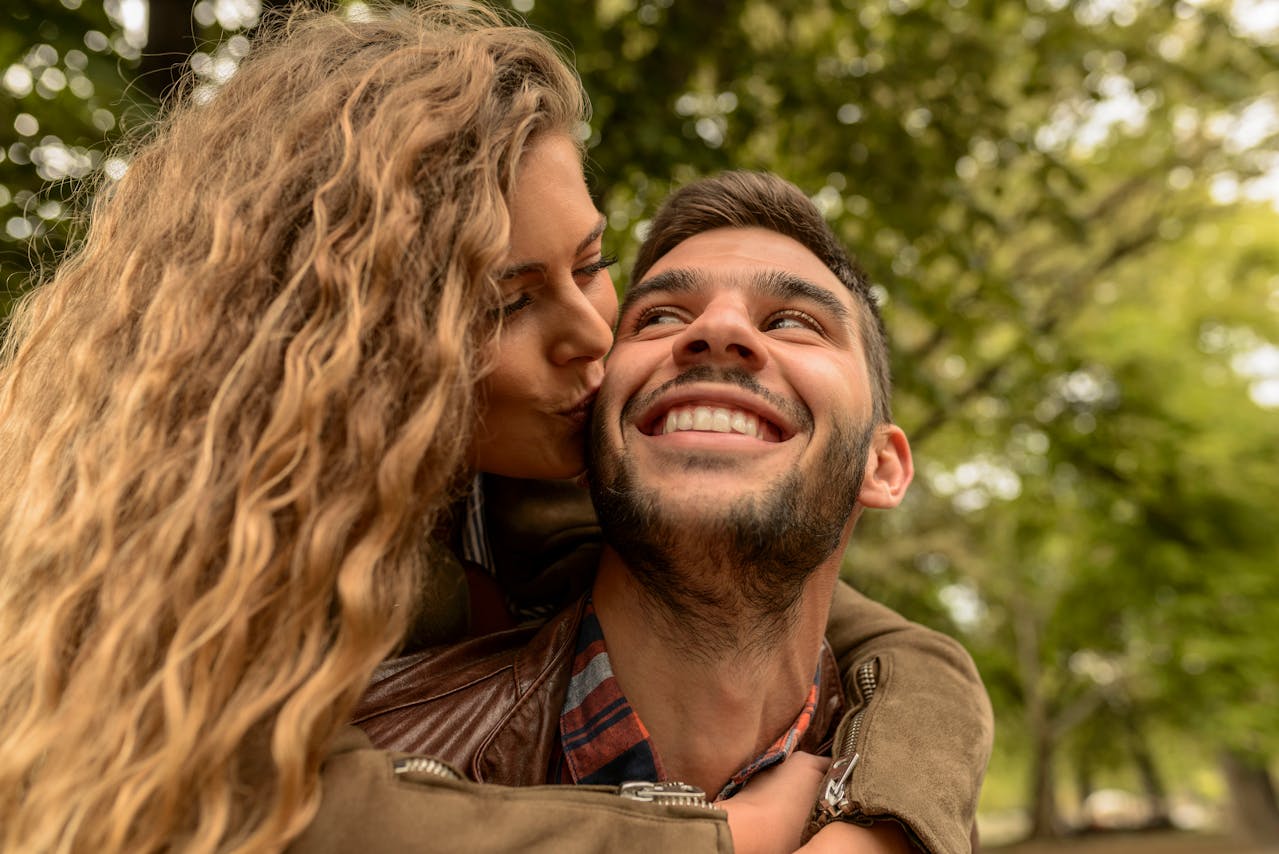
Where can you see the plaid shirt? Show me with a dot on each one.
(603, 741)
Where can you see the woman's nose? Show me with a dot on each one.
(584, 333)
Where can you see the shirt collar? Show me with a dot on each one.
(603, 740)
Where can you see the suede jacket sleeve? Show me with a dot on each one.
(926, 727)
(373, 804)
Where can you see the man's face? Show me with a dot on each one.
(736, 405)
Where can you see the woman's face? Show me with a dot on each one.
(559, 307)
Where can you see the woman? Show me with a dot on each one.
(234, 419)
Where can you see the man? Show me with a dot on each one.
(743, 424)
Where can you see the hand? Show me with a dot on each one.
(768, 815)
(882, 837)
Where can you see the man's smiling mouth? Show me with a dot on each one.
(708, 418)
(730, 403)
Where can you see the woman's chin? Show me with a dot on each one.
(567, 469)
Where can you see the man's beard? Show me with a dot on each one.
(748, 563)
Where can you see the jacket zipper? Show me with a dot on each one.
(668, 793)
(424, 765)
(834, 797)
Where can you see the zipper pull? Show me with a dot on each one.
(835, 792)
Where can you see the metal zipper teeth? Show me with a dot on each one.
(866, 685)
(424, 765)
(699, 801)
(668, 793)
(833, 802)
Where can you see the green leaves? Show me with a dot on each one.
(1053, 200)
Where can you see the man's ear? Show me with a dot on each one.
(889, 468)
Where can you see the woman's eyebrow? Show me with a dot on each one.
(596, 234)
(516, 270)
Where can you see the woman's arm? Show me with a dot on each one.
(369, 806)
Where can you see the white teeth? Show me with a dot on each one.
(714, 419)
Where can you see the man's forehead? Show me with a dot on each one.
(731, 256)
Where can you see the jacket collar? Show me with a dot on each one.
(518, 750)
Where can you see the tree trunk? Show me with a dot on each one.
(1252, 797)
(170, 41)
(1084, 785)
(1151, 782)
(1044, 820)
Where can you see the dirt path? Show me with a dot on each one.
(1135, 843)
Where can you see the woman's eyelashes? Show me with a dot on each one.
(593, 269)
(521, 301)
(587, 273)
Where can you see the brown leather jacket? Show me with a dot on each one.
(487, 706)
(493, 707)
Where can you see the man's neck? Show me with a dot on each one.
(710, 712)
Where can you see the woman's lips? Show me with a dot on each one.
(580, 411)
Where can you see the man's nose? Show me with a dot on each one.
(583, 333)
(723, 334)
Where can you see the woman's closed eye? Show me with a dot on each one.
(593, 269)
(583, 275)
(521, 301)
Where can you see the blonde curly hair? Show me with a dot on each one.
(230, 421)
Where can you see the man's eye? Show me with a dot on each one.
(657, 317)
(792, 319)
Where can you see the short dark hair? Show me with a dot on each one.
(763, 200)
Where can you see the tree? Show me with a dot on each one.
(1051, 196)
(60, 97)
(1005, 171)
(76, 81)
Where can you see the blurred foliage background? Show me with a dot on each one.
(1069, 209)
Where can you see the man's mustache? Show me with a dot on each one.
(797, 413)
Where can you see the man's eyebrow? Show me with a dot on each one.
(668, 282)
(525, 267)
(775, 283)
(783, 285)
